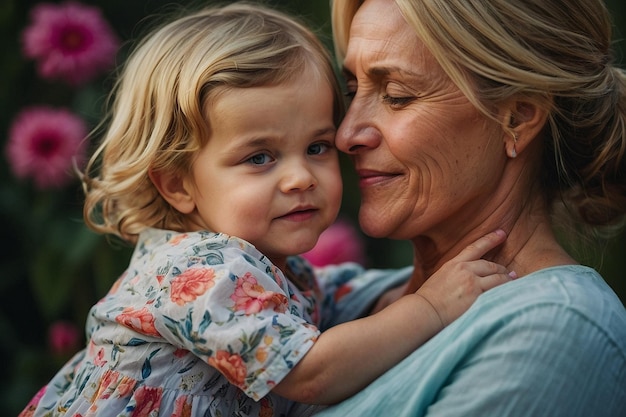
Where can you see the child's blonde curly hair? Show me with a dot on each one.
(158, 119)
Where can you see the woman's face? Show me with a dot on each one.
(426, 159)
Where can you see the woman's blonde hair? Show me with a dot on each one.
(558, 52)
(158, 120)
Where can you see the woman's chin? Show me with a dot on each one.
(373, 227)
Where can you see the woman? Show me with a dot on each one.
(468, 116)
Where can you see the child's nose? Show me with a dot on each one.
(298, 177)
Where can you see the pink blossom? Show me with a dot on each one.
(252, 297)
(69, 41)
(191, 284)
(63, 338)
(44, 143)
(147, 401)
(339, 243)
(141, 321)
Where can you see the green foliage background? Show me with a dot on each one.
(52, 268)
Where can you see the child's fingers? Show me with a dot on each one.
(489, 274)
(488, 282)
(483, 245)
(484, 268)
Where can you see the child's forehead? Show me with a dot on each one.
(281, 112)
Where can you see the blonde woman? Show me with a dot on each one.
(466, 116)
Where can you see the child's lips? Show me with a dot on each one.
(299, 214)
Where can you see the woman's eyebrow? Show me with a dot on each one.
(380, 71)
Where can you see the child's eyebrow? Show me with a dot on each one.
(263, 141)
(325, 131)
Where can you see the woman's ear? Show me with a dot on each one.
(173, 189)
(522, 121)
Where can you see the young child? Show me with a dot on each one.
(223, 125)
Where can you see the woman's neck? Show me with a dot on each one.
(531, 244)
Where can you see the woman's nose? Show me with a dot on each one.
(356, 132)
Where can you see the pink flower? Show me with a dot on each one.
(251, 297)
(69, 41)
(63, 338)
(43, 143)
(142, 321)
(231, 366)
(191, 284)
(147, 401)
(339, 243)
(182, 407)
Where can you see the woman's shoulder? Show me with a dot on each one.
(577, 286)
(575, 294)
(552, 343)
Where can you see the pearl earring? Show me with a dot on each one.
(514, 151)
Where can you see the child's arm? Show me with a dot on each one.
(349, 356)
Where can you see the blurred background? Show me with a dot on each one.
(52, 269)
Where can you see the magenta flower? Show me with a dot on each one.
(339, 243)
(63, 338)
(69, 41)
(44, 144)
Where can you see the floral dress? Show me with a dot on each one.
(200, 324)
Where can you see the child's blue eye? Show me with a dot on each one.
(317, 148)
(260, 159)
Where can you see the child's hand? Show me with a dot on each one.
(456, 285)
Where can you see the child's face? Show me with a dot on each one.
(270, 172)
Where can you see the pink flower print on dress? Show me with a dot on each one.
(148, 401)
(141, 321)
(44, 143)
(251, 297)
(342, 291)
(267, 410)
(99, 359)
(69, 41)
(337, 244)
(125, 387)
(191, 284)
(106, 386)
(231, 366)
(176, 239)
(180, 353)
(182, 407)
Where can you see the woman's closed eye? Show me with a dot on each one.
(397, 101)
(350, 89)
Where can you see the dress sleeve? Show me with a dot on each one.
(237, 313)
(350, 291)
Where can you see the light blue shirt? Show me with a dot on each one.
(552, 343)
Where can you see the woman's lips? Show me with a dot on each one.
(369, 177)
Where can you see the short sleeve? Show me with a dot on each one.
(236, 312)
